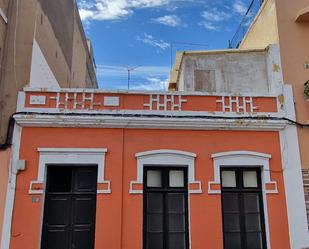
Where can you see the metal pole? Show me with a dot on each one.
(129, 72)
(171, 45)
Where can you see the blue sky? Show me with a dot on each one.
(139, 33)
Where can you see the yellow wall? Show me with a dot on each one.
(264, 29)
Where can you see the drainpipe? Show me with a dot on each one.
(9, 135)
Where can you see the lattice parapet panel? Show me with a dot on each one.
(165, 102)
(237, 104)
(87, 98)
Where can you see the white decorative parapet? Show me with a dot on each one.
(242, 104)
(36, 100)
(86, 98)
(169, 102)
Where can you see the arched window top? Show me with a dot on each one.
(241, 154)
(241, 159)
(179, 153)
(165, 158)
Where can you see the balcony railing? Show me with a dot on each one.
(245, 23)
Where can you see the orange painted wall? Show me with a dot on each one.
(119, 215)
(4, 174)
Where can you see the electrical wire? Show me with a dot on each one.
(8, 141)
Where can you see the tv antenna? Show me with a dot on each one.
(130, 69)
(172, 45)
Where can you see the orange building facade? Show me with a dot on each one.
(123, 133)
(143, 170)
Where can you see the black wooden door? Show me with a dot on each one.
(70, 208)
(165, 208)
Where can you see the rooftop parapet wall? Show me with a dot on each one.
(93, 108)
(228, 71)
(68, 100)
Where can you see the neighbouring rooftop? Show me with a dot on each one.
(233, 71)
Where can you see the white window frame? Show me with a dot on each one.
(71, 156)
(167, 158)
(245, 159)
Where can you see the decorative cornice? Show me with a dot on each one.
(150, 122)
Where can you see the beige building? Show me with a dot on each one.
(286, 22)
(42, 44)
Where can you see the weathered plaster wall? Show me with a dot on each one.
(4, 173)
(225, 72)
(264, 29)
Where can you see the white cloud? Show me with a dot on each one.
(114, 9)
(85, 14)
(152, 84)
(84, 4)
(149, 39)
(239, 7)
(215, 15)
(169, 20)
(209, 25)
(142, 78)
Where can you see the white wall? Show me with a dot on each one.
(41, 74)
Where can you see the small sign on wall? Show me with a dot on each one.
(35, 199)
(111, 101)
(37, 100)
